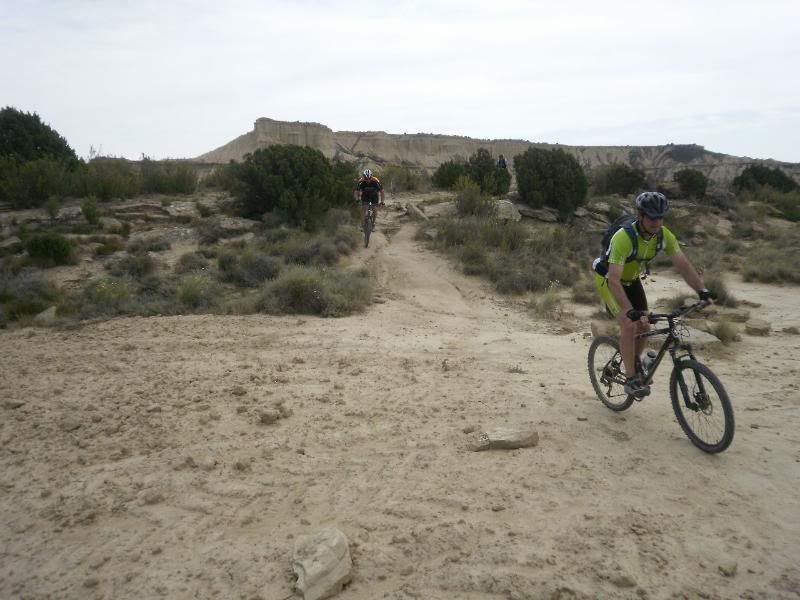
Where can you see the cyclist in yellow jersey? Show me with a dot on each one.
(618, 271)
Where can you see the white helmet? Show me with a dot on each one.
(367, 173)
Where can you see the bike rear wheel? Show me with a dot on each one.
(607, 373)
(701, 406)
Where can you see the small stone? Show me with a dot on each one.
(623, 581)
(12, 404)
(728, 568)
(91, 582)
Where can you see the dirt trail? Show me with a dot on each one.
(142, 460)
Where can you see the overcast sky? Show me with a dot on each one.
(179, 78)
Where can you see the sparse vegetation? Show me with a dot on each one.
(756, 176)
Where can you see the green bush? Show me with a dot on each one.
(30, 184)
(309, 290)
(297, 182)
(550, 178)
(470, 201)
(617, 179)
(759, 175)
(197, 290)
(222, 177)
(136, 266)
(23, 294)
(25, 137)
(483, 170)
(49, 249)
(105, 296)
(89, 210)
(191, 262)
(150, 243)
(108, 178)
(167, 177)
(787, 202)
(692, 182)
(249, 268)
(448, 173)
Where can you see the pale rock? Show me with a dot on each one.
(506, 211)
(506, 438)
(322, 563)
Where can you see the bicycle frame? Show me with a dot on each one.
(673, 344)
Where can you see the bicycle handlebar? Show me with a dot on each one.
(680, 312)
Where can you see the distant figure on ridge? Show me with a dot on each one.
(501, 162)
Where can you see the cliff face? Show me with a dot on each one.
(428, 151)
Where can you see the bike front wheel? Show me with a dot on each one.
(701, 406)
(607, 373)
(367, 230)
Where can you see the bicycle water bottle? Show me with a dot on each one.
(647, 361)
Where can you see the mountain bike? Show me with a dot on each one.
(369, 224)
(699, 400)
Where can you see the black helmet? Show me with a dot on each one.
(654, 204)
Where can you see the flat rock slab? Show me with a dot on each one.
(757, 327)
(506, 438)
(322, 563)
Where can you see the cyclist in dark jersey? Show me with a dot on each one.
(617, 277)
(370, 191)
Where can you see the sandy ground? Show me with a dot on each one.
(135, 463)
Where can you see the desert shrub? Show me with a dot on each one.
(470, 201)
(787, 202)
(297, 182)
(692, 182)
(713, 256)
(52, 206)
(249, 268)
(167, 177)
(773, 264)
(222, 177)
(196, 291)
(403, 179)
(310, 290)
(475, 259)
(191, 262)
(105, 296)
(136, 266)
(716, 282)
(448, 173)
(30, 184)
(107, 178)
(760, 175)
(23, 294)
(89, 210)
(108, 245)
(725, 331)
(548, 303)
(550, 178)
(584, 291)
(617, 179)
(150, 243)
(50, 249)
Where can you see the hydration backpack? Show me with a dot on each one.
(625, 222)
